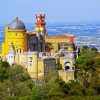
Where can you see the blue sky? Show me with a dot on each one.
(55, 10)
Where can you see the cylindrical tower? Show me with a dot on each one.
(40, 31)
(33, 64)
(16, 34)
(40, 21)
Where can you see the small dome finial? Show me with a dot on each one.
(17, 18)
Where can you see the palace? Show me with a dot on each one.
(37, 52)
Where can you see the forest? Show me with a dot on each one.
(16, 84)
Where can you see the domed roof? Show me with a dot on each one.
(17, 24)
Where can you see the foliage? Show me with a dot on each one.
(84, 48)
(88, 65)
(15, 82)
(94, 49)
(3, 72)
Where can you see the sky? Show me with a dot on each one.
(56, 10)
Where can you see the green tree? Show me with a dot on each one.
(88, 65)
(3, 70)
(85, 47)
(94, 49)
(17, 73)
(17, 84)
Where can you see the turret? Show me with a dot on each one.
(15, 33)
(40, 23)
(11, 54)
(33, 64)
(40, 31)
(40, 20)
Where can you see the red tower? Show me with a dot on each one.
(71, 37)
(40, 21)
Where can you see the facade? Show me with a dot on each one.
(37, 52)
(15, 33)
(37, 67)
(68, 68)
(36, 39)
(56, 43)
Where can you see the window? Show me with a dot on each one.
(16, 34)
(30, 59)
(11, 56)
(67, 68)
(67, 65)
(66, 48)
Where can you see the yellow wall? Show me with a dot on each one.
(33, 64)
(40, 68)
(36, 67)
(29, 61)
(21, 59)
(56, 40)
(3, 49)
(52, 43)
(66, 75)
(17, 37)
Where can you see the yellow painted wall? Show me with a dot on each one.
(23, 60)
(40, 68)
(61, 62)
(3, 50)
(54, 43)
(33, 65)
(17, 59)
(17, 37)
(66, 75)
(56, 40)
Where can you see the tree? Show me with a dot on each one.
(17, 73)
(17, 84)
(86, 60)
(88, 65)
(84, 48)
(3, 69)
(94, 49)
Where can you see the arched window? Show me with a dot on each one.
(67, 65)
(67, 68)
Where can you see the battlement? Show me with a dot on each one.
(40, 21)
(40, 16)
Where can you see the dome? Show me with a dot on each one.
(17, 24)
